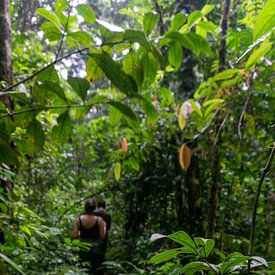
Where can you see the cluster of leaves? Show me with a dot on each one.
(201, 249)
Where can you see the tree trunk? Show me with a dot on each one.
(6, 75)
(215, 149)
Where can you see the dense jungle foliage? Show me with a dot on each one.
(164, 109)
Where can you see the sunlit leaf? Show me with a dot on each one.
(177, 21)
(117, 171)
(265, 21)
(49, 16)
(175, 55)
(86, 12)
(149, 22)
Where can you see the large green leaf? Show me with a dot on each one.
(258, 54)
(124, 109)
(113, 71)
(227, 74)
(61, 131)
(194, 267)
(265, 21)
(194, 18)
(184, 239)
(164, 256)
(61, 5)
(86, 12)
(51, 31)
(132, 66)
(7, 154)
(200, 44)
(80, 86)
(94, 72)
(79, 37)
(149, 22)
(183, 39)
(35, 137)
(50, 74)
(177, 21)
(138, 37)
(206, 244)
(52, 87)
(150, 111)
(175, 55)
(150, 67)
(49, 16)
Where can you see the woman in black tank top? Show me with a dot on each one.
(90, 228)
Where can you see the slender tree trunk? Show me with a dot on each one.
(215, 149)
(6, 74)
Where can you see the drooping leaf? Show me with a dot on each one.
(86, 12)
(150, 111)
(49, 16)
(184, 157)
(194, 267)
(164, 256)
(124, 109)
(114, 115)
(200, 44)
(167, 97)
(133, 163)
(51, 87)
(258, 54)
(266, 20)
(117, 171)
(51, 31)
(157, 236)
(35, 137)
(138, 37)
(61, 5)
(80, 86)
(183, 39)
(175, 55)
(113, 71)
(227, 74)
(62, 131)
(80, 37)
(132, 66)
(207, 9)
(150, 67)
(50, 74)
(7, 154)
(194, 18)
(184, 239)
(94, 72)
(109, 27)
(177, 21)
(149, 22)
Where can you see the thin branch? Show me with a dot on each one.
(9, 88)
(43, 108)
(256, 200)
(63, 35)
(242, 116)
(221, 126)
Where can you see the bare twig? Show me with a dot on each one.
(221, 126)
(242, 116)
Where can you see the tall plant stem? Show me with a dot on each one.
(256, 201)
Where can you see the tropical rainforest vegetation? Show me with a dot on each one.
(165, 109)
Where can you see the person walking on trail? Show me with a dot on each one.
(90, 228)
(101, 212)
